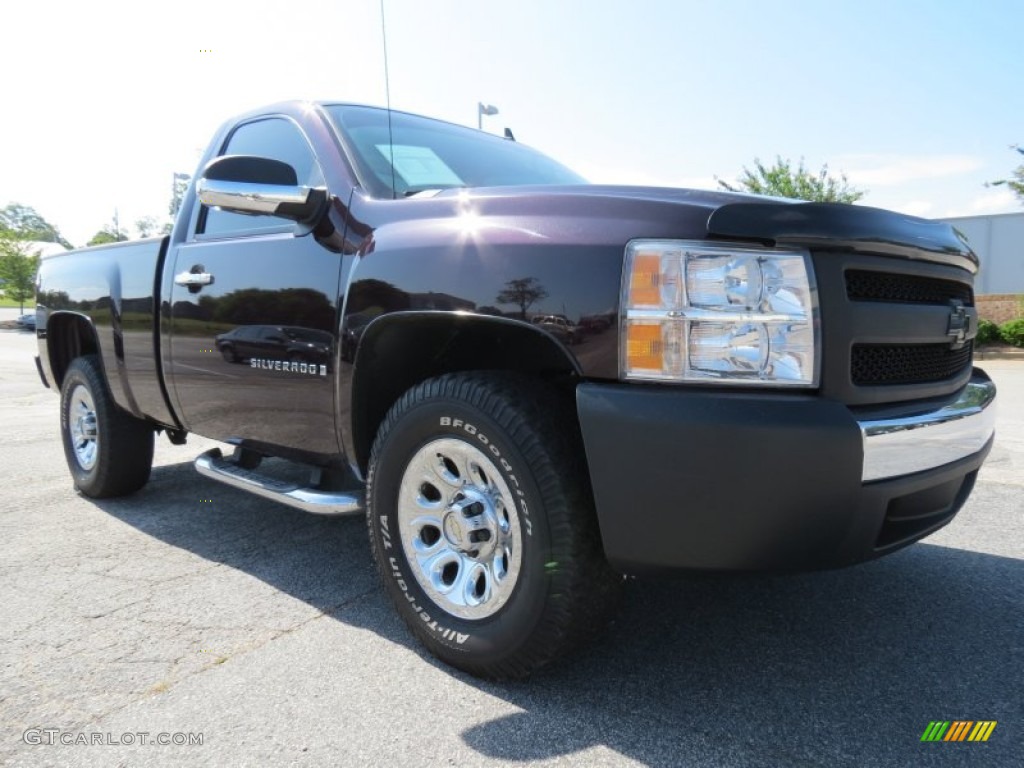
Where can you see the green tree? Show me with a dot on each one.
(782, 180)
(110, 233)
(107, 235)
(1016, 180)
(178, 189)
(18, 269)
(523, 292)
(147, 226)
(24, 223)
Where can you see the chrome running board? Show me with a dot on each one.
(212, 464)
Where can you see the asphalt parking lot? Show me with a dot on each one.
(192, 608)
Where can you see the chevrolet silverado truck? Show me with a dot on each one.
(361, 294)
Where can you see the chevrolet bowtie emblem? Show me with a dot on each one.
(959, 324)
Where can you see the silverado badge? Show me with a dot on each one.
(292, 366)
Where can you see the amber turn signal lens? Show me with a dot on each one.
(644, 349)
(645, 282)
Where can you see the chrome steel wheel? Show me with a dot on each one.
(459, 528)
(82, 426)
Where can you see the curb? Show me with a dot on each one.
(999, 353)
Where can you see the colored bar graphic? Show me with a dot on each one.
(958, 730)
(935, 730)
(982, 730)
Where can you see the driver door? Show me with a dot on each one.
(257, 276)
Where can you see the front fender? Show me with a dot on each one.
(401, 349)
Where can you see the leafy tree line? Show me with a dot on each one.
(19, 262)
(1016, 180)
(1011, 332)
(783, 180)
(18, 267)
(109, 233)
(22, 222)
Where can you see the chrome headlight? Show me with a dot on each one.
(699, 311)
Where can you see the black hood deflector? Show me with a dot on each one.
(847, 227)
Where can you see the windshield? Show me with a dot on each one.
(430, 154)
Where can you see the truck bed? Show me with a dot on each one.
(115, 289)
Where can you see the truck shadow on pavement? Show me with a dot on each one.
(841, 667)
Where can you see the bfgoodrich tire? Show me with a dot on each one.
(109, 451)
(482, 523)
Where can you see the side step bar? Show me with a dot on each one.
(212, 464)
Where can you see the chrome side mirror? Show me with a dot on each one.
(259, 186)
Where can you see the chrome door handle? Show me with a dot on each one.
(193, 278)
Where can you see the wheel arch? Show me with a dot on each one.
(69, 335)
(401, 349)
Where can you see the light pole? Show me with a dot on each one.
(484, 109)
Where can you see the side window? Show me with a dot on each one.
(272, 137)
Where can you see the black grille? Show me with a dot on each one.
(881, 364)
(862, 285)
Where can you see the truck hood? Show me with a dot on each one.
(612, 194)
(607, 213)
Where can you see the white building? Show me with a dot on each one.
(998, 240)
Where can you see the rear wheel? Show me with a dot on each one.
(109, 451)
(482, 523)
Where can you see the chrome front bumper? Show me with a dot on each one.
(896, 447)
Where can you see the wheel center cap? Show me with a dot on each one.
(86, 426)
(452, 530)
(470, 524)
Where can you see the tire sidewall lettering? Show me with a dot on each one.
(452, 631)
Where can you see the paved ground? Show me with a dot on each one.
(192, 608)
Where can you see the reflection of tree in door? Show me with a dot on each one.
(289, 306)
(523, 292)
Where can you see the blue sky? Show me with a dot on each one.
(916, 102)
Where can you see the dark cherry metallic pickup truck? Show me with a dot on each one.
(529, 385)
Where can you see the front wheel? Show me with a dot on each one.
(482, 523)
(109, 451)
